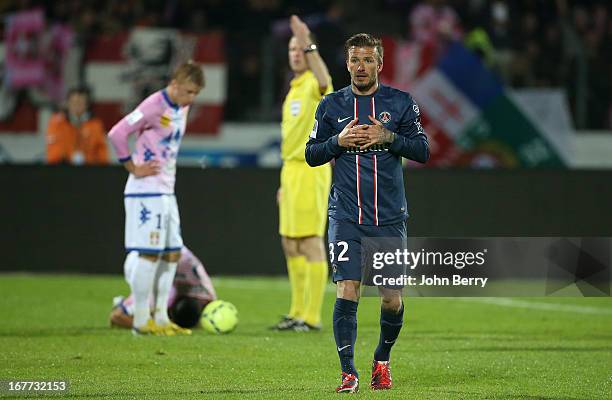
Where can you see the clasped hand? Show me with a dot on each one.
(364, 136)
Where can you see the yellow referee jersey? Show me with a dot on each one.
(298, 115)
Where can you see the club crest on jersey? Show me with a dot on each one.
(164, 121)
(384, 117)
(154, 238)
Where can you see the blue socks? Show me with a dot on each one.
(345, 332)
(390, 326)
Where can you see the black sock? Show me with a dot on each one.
(390, 326)
(345, 332)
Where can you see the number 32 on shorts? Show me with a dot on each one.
(343, 248)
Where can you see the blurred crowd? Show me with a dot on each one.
(553, 44)
(530, 43)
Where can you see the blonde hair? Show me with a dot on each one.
(189, 71)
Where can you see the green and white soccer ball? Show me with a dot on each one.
(219, 317)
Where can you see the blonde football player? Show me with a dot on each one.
(152, 223)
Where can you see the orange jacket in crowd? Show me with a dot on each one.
(76, 145)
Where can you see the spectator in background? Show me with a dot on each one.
(499, 29)
(478, 41)
(499, 25)
(74, 136)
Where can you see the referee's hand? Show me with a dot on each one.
(300, 30)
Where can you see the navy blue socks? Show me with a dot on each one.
(345, 332)
(390, 326)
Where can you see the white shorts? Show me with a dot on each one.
(152, 223)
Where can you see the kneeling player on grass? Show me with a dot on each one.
(191, 291)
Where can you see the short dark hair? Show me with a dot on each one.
(186, 312)
(189, 71)
(81, 90)
(364, 40)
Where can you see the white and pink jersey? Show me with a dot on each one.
(159, 125)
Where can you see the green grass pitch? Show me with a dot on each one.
(55, 327)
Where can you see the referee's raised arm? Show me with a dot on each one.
(311, 52)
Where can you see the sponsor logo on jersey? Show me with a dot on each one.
(164, 121)
(419, 126)
(376, 147)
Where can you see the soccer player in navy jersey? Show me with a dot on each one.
(366, 128)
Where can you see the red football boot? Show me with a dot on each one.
(350, 384)
(381, 375)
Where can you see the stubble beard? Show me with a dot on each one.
(364, 87)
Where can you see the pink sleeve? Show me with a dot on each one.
(133, 122)
(209, 291)
(172, 296)
(198, 280)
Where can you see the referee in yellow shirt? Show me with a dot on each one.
(303, 193)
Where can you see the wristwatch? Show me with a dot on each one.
(312, 47)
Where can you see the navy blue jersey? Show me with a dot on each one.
(368, 186)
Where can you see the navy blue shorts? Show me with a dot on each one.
(344, 240)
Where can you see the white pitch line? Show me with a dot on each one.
(534, 305)
(280, 284)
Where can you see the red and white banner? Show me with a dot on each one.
(118, 71)
(25, 60)
(123, 68)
